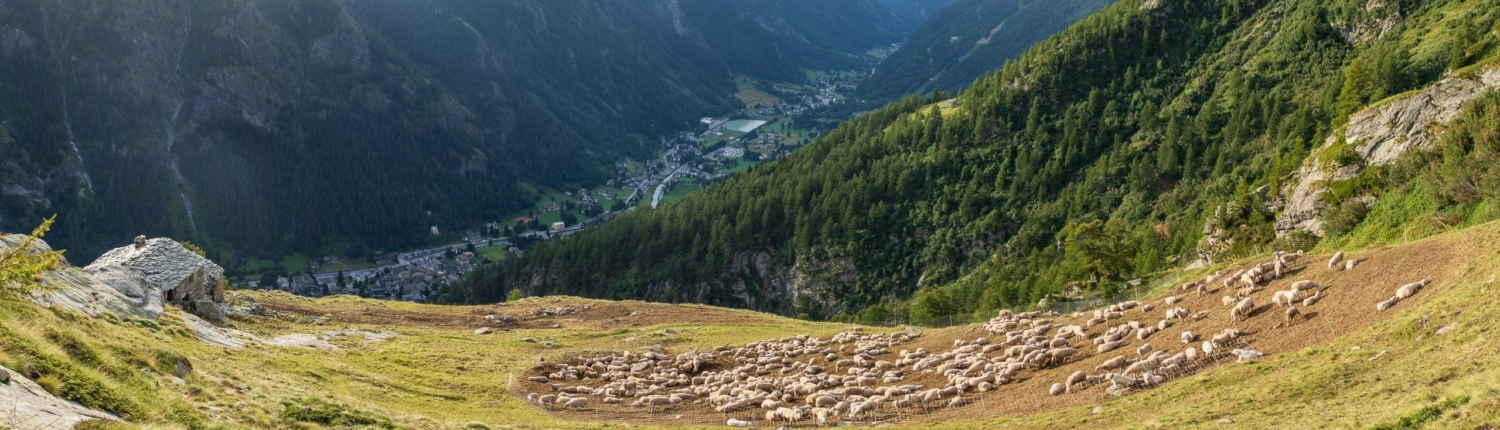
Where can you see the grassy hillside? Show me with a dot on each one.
(1428, 362)
(1096, 158)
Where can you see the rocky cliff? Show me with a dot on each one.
(1379, 135)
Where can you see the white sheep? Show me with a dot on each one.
(1075, 378)
(1291, 314)
(739, 423)
(1242, 309)
(1246, 354)
(1349, 265)
(1143, 349)
(1409, 290)
(1229, 301)
(1171, 300)
(1058, 389)
(1188, 337)
(1333, 263)
(1283, 298)
(1313, 299)
(1147, 308)
(1387, 303)
(1208, 347)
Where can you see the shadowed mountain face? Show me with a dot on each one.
(969, 38)
(266, 126)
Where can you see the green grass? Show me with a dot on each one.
(493, 253)
(680, 191)
(741, 167)
(295, 262)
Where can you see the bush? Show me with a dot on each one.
(1342, 219)
(51, 384)
(327, 413)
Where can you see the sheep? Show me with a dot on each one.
(1313, 299)
(1202, 289)
(1191, 354)
(1208, 347)
(1246, 354)
(1147, 308)
(1333, 263)
(1291, 314)
(1229, 301)
(576, 402)
(1179, 313)
(1163, 324)
(1188, 337)
(1143, 349)
(1349, 265)
(1242, 309)
(1058, 389)
(1171, 300)
(1409, 290)
(740, 423)
(1144, 333)
(1075, 378)
(1283, 298)
(1244, 292)
(1110, 346)
(1059, 356)
(1387, 303)
(1113, 363)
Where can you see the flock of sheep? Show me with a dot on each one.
(853, 375)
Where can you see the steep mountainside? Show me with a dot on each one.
(916, 11)
(965, 41)
(1145, 137)
(270, 126)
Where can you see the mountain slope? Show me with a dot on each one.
(966, 40)
(266, 127)
(1140, 137)
(916, 11)
(1428, 361)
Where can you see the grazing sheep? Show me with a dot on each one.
(1229, 300)
(1246, 354)
(1143, 349)
(1409, 290)
(1242, 309)
(1349, 265)
(1113, 363)
(1291, 314)
(1075, 378)
(1058, 389)
(1333, 263)
(1188, 337)
(1191, 354)
(1117, 380)
(1202, 289)
(1244, 292)
(1387, 303)
(1208, 347)
(1283, 298)
(576, 402)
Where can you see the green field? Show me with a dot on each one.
(741, 167)
(493, 253)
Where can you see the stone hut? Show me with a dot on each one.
(180, 276)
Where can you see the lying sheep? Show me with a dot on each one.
(1409, 290)
(1171, 300)
(1145, 332)
(1246, 354)
(1147, 308)
(1188, 337)
(1313, 299)
(1349, 265)
(1058, 389)
(1229, 301)
(1110, 346)
(1387, 303)
(738, 423)
(1242, 309)
(1333, 263)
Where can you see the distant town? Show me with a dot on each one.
(690, 160)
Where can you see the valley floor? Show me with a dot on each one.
(1428, 361)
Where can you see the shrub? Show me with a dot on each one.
(51, 384)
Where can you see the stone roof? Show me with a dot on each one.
(163, 262)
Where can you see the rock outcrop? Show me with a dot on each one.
(138, 281)
(173, 274)
(28, 406)
(1379, 135)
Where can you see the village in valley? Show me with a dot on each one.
(767, 129)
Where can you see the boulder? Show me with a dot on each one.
(28, 406)
(484, 330)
